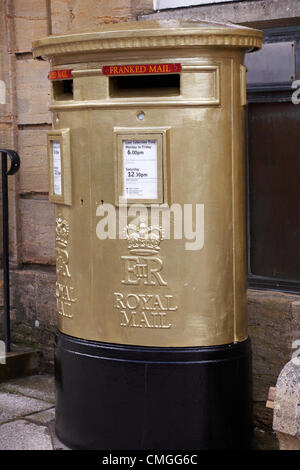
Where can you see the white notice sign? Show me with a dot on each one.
(56, 159)
(140, 169)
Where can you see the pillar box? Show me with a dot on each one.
(147, 171)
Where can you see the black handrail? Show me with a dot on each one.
(14, 166)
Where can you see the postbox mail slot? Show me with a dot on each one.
(62, 89)
(144, 85)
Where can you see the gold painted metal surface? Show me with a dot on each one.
(145, 289)
(150, 34)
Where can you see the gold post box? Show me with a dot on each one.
(147, 171)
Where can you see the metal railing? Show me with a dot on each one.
(14, 166)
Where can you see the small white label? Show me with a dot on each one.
(56, 158)
(140, 169)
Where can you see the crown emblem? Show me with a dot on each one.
(62, 232)
(143, 239)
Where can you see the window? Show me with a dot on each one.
(273, 150)
(274, 190)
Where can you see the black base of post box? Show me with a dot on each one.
(119, 397)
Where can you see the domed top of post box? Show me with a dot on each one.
(163, 34)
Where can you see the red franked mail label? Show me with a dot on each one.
(139, 69)
(60, 74)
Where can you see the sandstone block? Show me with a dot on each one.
(86, 14)
(35, 318)
(60, 16)
(33, 92)
(6, 135)
(37, 227)
(30, 23)
(32, 144)
(5, 59)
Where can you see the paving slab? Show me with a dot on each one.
(23, 435)
(43, 417)
(14, 406)
(36, 386)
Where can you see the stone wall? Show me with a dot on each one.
(76, 15)
(274, 323)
